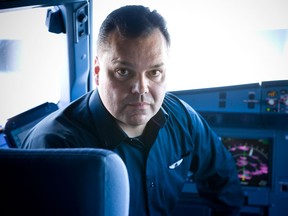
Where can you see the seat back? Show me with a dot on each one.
(72, 182)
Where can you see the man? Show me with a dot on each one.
(159, 137)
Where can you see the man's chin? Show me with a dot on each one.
(138, 120)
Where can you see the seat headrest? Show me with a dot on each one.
(63, 182)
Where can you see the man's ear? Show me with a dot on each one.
(96, 71)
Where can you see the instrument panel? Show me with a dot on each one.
(252, 122)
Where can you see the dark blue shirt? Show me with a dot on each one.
(176, 140)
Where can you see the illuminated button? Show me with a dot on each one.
(272, 94)
(271, 101)
(152, 184)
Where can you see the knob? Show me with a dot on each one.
(82, 18)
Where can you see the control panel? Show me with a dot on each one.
(252, 122)
(275, 97)
(254, 105)
(240, 98)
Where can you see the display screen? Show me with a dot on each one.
(252, 157)
(17, 127)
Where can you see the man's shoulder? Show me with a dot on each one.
(61, 124)
(175, 104)
(76, 111)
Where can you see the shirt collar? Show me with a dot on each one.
(160, 118)
(111, 134)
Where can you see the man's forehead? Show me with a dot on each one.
(115, 37)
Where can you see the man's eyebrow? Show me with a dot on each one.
(126, 63)
(158, 65)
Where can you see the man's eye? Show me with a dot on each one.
(155, 73)
(122, 72)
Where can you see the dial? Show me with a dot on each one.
(251, 158)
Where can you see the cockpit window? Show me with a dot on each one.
(31, 61)
(219, 43)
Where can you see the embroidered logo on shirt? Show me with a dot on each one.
(176, 164)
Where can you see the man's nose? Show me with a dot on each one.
(140, 85)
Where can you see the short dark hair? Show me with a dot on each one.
(132, 21)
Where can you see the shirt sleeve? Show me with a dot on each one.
(214, 169)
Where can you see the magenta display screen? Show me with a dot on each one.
(253, 159)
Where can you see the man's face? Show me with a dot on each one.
(131, 77)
